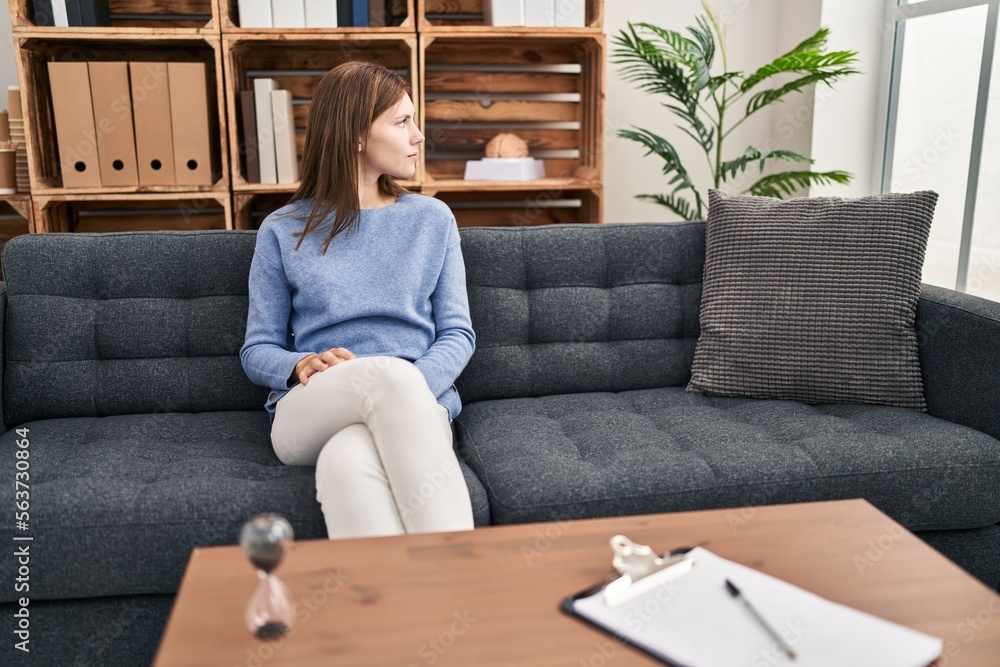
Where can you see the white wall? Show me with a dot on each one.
(792, 117)
(8, 70)
(846, 127)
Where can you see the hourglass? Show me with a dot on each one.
(269, 611)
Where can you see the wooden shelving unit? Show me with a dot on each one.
(124, 212)
(469, 82)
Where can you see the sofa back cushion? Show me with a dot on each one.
(140, 322)
(581, 308)
(126, 323)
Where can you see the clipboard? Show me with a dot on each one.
(677, 609)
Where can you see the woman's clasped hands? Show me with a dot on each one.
(316, 363)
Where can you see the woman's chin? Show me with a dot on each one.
(405, 174)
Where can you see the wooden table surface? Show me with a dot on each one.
(491, 596)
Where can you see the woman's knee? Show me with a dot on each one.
(292, 452)
(347, 454)
(393, 372)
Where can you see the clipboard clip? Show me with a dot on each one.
(641, 570)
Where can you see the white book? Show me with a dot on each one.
(539, 13)
(288, 14)
(284, 136)
(571, 13)
(503, 12)
(255, 13)
(321, 13)
(262, 89)
(60, 16)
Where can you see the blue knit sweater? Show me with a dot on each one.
(395, 287)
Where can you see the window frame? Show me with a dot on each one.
(897, 13)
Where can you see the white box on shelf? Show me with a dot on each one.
(321, 13)
(255, 13)
(540, 13)
(504, 169)
(571, 13)
(288, 14)
(504, 12)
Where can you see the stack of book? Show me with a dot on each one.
(320, 13)
(269, 148)
(124, 124)
(72, 12)
(542, 13)
(15, 131)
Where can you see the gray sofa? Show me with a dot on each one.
(146, 439)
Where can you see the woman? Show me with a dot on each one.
(359, 318)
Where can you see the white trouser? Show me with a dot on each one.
(382, 447)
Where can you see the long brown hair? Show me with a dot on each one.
(347, 101)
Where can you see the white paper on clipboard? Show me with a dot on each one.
(692, 621)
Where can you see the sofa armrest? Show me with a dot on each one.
(959, 340)
(3, 351)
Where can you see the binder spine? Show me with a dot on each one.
(359, 16)
(42, 12)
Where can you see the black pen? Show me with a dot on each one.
(735, 592)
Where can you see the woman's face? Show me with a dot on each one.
(391, 146)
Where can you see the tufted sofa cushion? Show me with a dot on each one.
(667, 450)
(126, 323)
(131, 495)
(579, 308)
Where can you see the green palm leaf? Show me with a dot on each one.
(807, 56)
(770, 96)
(672, 166)
(718, 81)
(752, 154)
(787, 182)
(705, 136)
(655, 69)
(681, 207)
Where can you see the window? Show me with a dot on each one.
(944, 135)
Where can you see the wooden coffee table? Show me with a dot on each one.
(491, 596)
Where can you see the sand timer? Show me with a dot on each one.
(270, 610)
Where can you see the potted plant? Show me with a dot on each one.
(710, 106)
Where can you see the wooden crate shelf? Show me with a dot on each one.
(134, 18)
(466, 16)
(34, 54)
(537, 185)
(122, 213)
(474, 88)
(289, 188)
(469, 82)
(522, 207)
(229, 19)
(297, 63)
(250, 209)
